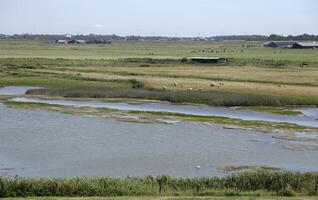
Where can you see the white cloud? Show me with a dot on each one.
(98, 25)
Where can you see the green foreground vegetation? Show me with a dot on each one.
(260, 183)
(165, 198)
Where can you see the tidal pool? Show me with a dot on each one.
(50, 144)
(312, 112)
(199, 110)
(309, 118)
(16, 90)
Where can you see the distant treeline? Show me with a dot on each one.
(91, 37)
(303, 37)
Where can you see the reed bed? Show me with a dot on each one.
(198, 97)
(258, 183)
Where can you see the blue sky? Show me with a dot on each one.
(159, 17)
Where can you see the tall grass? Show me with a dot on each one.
(41, 63)
(198, 97)
(279, 183)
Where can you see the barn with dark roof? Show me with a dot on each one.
(305, 45)
(280, 44)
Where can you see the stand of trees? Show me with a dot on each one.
(303, 37)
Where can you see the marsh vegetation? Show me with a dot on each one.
(254, 184)
(252, 76)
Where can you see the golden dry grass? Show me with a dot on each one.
(290, 75)
(257, 80)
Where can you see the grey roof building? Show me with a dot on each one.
(280, 44)
(61, 41)
(305, 45)
(76, 42)
(208, 60)
(292, 44)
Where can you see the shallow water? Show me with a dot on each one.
(312, 112)
(16, 90)
(199, 110)
(46, 144)
(306, 135)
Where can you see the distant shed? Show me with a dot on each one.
(208, 60)
(305, 45)
(61, 41)
(280, 44)
(76, 41)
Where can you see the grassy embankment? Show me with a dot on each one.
(258, 183)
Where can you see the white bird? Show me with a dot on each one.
(198, 167)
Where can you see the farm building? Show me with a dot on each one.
(76, 42)
(280, 44)
(291, 44)
(70, 41)
(305, 45)
(208, 60)
(61, 41)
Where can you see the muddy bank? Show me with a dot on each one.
(197, 110)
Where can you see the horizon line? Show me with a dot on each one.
(137, 35)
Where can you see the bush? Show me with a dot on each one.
(137, 84)
(288, 192)
(184, 60)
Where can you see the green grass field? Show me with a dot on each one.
(155, 49)
(165, 198)
(252, 74)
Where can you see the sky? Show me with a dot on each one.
(159, 17)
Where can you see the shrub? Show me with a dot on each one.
(137, 84)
